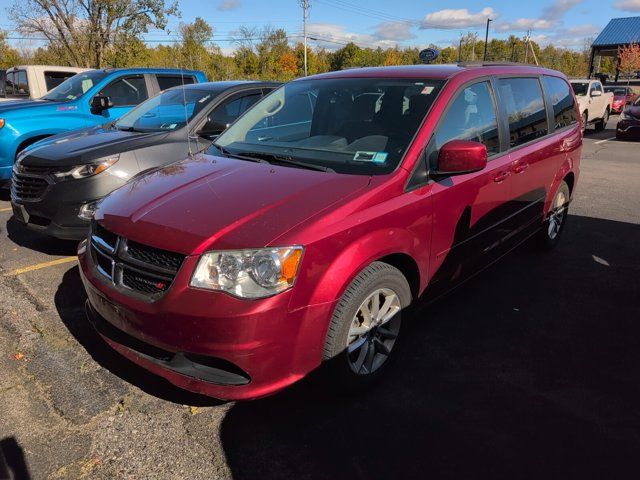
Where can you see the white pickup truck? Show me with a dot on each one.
(594, 102)
(28, 82)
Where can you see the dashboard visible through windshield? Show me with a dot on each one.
(348, 125)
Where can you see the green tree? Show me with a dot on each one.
(9, 56)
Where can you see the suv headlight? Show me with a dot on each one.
(83, 171)
(255, 273)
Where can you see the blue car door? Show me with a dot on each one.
(126, 93)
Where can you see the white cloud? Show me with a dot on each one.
(460, 18)
(628, 5)
(227, 5)
(333, 36)
(559, 8)
(524, 24)
(397, 31)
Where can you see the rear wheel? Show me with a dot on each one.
(553, 227)
(364, 334)
(602, 123)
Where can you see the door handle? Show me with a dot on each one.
(502, 176)
(521, 167)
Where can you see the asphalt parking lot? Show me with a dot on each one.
(528, 371)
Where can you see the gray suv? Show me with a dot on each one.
(58, 182)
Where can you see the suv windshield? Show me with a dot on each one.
(349, 125)
(75, 87)
(580, 88)
(168, 111)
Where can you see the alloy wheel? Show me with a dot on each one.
(557, 215)
(373, 331)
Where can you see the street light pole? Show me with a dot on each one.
(486, 39)
(305, 14)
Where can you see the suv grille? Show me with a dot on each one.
(140, 268)
(27, 188)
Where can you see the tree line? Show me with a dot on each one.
(100, 33)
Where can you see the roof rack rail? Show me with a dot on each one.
(495, 64)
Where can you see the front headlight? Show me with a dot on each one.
(83, 171)
(255, 273)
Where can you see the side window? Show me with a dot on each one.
(564, 109)
(10, 82)
(53, 79)
(471, 116)
(168, 81)
(229, 110)
(126, 91)
(523, 101)
(21, 86)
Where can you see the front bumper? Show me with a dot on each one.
(628, 129)
(261, 341)
(55, 212)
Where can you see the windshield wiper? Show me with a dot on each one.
(227, 153)
(273, 158)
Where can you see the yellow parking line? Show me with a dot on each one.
(38, 266)
(6, 209)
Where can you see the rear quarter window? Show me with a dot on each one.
(524, 105)
(564, 108)
(53, 79)
(169, 81)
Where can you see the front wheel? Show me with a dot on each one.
(364, 333)
(553, 226)
(584, 123)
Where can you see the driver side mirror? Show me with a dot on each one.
(100, 103)
(461, 156)
(596, 93)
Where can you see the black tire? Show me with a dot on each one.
(549, 236)
(602, 123)
(585, 119)
(340, 363)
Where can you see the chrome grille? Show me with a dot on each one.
(139, 268)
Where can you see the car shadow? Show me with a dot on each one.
(530, 370)
(69, 300)
(12, 460)
(23, 237)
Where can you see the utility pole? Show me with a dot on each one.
(486, 39)
(305, 15)
(460, 50)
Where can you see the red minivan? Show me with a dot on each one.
(335, 202)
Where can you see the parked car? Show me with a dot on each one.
(621, 96)
(89, 98)
(58, 181)
(33, 81)
(3, 79)
(320, 214)
(594, 103)
(629, 125)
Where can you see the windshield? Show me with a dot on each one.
(615, 91)
(350, 125)
(168, 111)
(580, 88)
(75, 86)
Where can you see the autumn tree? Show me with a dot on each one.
(85, 30)
(9, 57)
(629, 59)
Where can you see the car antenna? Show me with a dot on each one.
(186, 116)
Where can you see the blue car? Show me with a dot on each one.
(90, 98)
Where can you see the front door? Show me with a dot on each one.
(470, 211)
(125, 93)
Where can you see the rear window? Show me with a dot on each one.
(17, 85)
(523, 101)
(564, 109)
(53, 79)
(169, 81)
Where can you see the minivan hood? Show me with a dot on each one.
(84, 146)
(209, 202)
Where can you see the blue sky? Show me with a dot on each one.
(403, 22)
